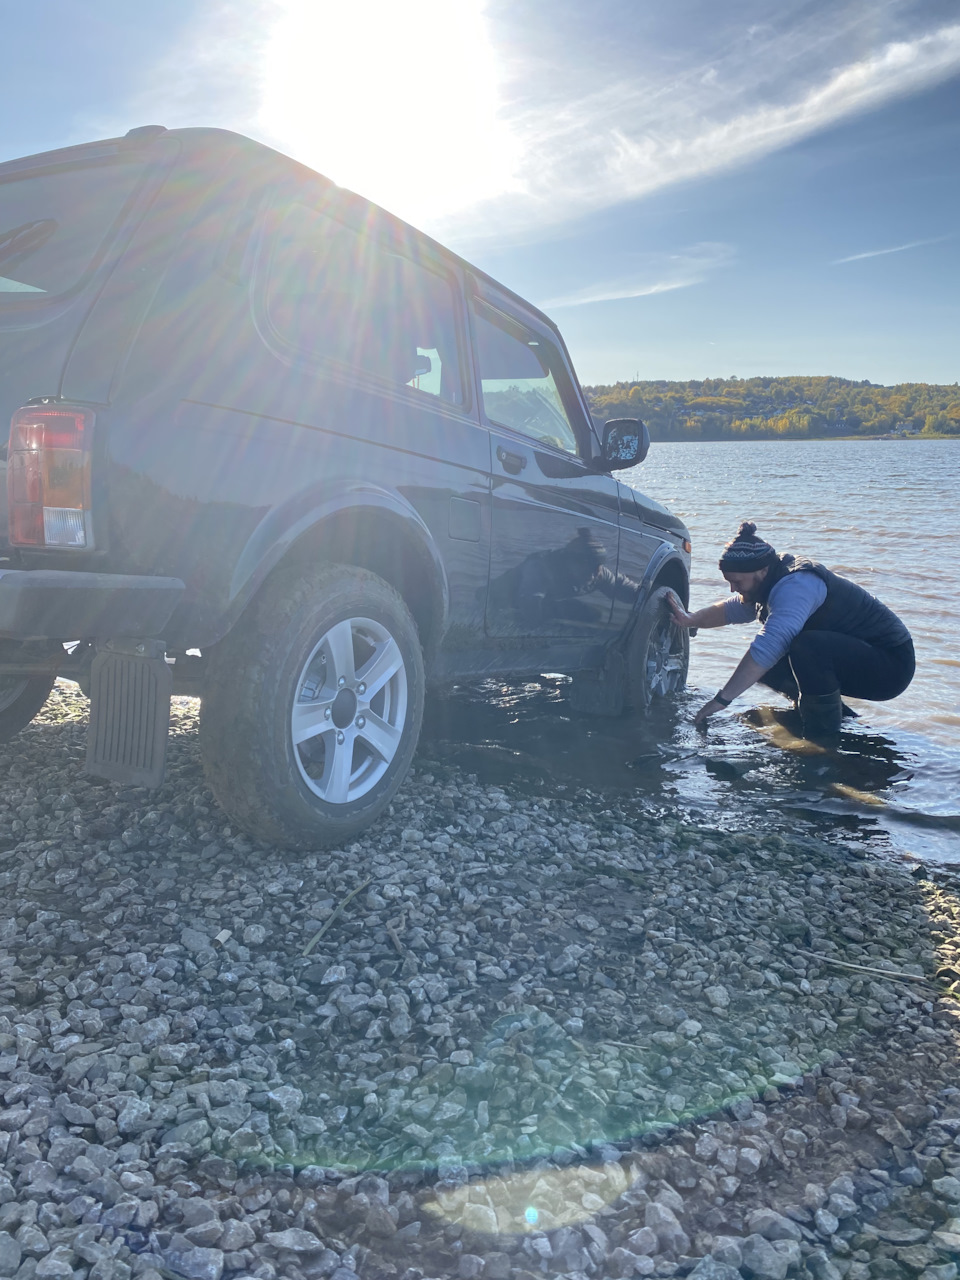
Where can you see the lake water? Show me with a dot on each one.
(882, 512)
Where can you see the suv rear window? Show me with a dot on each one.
(53, 223)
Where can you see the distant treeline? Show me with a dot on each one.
(780, 408)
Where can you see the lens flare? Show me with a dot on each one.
(396, 101)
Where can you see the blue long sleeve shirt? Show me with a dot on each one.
(791, 602)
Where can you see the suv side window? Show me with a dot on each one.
(521, 374)
(336, 294)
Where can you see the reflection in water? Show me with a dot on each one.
(885, 791)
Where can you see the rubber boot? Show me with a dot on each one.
(821, 715)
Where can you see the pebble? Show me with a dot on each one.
(559, 1035)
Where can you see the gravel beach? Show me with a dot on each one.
(501, 1036)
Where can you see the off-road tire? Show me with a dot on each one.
(20, 700)
(658, 654)
(255, 686)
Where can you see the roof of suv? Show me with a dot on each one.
(198, 138)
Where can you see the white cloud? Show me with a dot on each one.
(897, 248)
(432, 111)
(634, 138)
(661, 273)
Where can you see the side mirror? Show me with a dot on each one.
(625, 443)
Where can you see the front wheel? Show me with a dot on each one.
(312, 709)
(658, 654)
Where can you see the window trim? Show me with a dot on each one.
(580, 422)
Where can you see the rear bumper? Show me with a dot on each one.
(54, 604)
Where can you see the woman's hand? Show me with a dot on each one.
(680, 615)
(748, 672)
(706, 711)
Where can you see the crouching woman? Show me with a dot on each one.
(821, 638)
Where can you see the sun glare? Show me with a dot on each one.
(397, 101)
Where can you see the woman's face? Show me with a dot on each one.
(748, 585)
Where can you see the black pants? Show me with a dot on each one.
(822, 661)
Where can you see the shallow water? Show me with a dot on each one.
(881, 512)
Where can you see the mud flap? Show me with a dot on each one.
(130, 687)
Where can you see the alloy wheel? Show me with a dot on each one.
(666, 665)
(349, 710)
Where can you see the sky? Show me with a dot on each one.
(689, 189)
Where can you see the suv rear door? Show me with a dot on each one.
(555, 521)
(61, 216)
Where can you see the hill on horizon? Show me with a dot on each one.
(766, 408)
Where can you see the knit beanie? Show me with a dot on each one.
(746, 552)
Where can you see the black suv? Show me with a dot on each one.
(272, 446)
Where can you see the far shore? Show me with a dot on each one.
(799, 439)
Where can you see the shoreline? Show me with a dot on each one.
(801, 439)
(548, 1036)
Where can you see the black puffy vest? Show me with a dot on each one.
(848, 608)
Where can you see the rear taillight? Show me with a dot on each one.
(48, 477)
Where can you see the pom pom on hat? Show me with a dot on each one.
(746, 552)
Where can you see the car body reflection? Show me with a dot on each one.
(570, 583)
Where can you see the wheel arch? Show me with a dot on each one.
(672, 573)
(665, 569)
(369, 527)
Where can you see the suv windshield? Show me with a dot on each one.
(53, 222)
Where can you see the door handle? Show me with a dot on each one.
(512, 462)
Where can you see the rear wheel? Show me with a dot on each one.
(658, 654)
(312, 708)
(21, 698)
